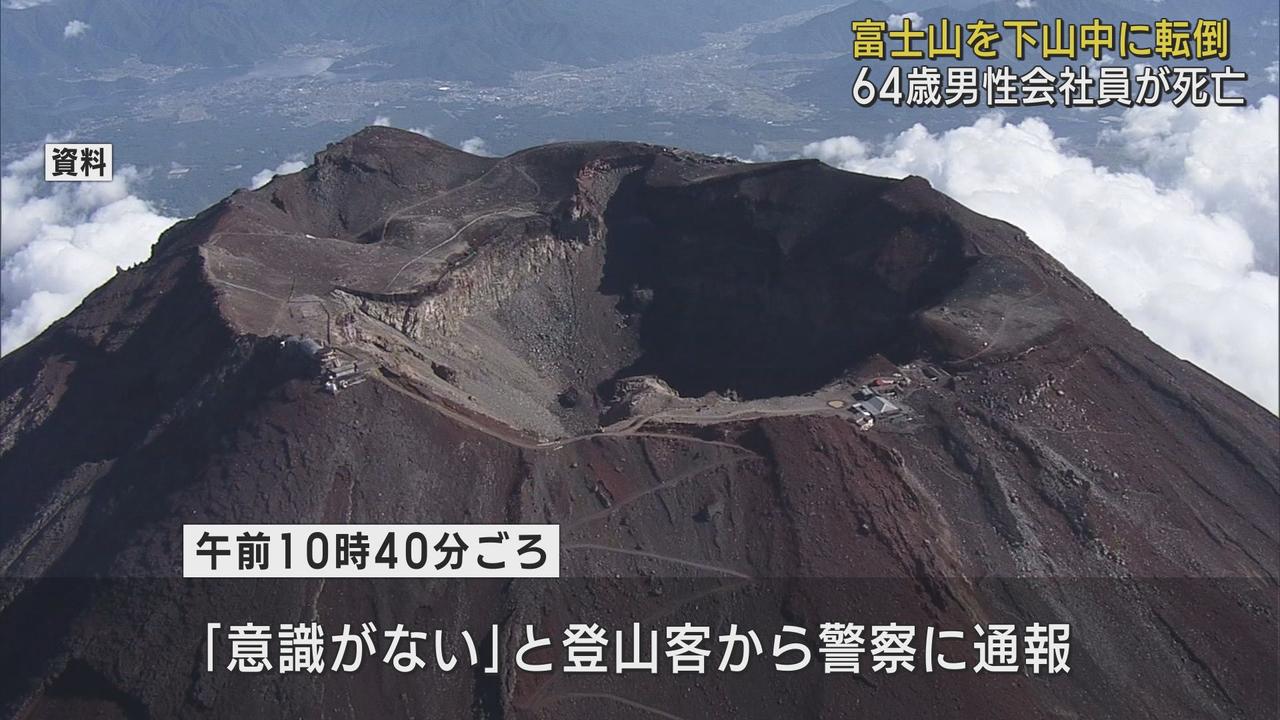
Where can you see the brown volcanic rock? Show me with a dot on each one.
(1062, 468)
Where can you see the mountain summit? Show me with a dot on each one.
(746, 392)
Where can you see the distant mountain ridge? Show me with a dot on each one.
(481, 40)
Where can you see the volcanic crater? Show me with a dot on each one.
(665, 354)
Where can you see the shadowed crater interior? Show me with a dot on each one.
(765, 288)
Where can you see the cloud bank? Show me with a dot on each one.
(1183, 244)
(1225, 159)
(895, 20)
(264, 176)
(75, 29)
(384, 121)
(59, 241)
(476, 146)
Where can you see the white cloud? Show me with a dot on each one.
(59, 241)
(1025, 4)
(842, 152)
(384, 121)
(1273, 71)
(75, 29)
(265, 175)
(23, 4)
(1225, 158)
(1175, 257)
(476, 146)
(895, 20)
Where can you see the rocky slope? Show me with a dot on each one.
(656, 350)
